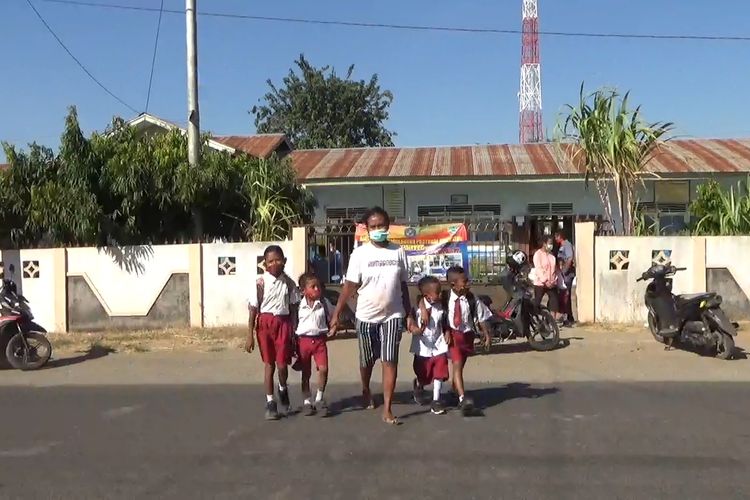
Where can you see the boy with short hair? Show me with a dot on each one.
(464, 315)
(272, 317)
(430, 343)
(312, 328)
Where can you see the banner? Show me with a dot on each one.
(430, 249)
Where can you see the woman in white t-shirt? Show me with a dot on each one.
(378, 272)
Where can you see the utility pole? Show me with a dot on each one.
(194, 129)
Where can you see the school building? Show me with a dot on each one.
(507, 192)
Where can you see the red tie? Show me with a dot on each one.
(457, 319)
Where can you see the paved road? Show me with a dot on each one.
(575, 440)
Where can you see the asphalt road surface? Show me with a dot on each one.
(577, 440)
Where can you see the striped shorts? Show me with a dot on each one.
(379, 341)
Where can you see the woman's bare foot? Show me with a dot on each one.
(367, 400)
(390, 418)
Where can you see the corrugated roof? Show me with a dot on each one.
(261, 145)
(507, 160)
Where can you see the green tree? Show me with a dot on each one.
(614, 145)
(118, 188)
(718, 212)
(316, 108)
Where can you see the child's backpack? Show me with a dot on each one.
(445, 296)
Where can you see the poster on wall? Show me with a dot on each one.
(430, 249)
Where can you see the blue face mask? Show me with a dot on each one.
(379, 235)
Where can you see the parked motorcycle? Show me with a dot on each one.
(520, 317)
(25, 344)
(695, 319)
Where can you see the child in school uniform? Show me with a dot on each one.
(272, 318)
(312, 329)
(429, 344)
(464, 316)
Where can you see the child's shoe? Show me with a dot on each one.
(272, 413)
(437, 408)
(308, 409)
(284, 400)
(322, 407)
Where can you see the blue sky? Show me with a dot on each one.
(449, 88)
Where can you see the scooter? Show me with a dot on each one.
(695, 319)
(520, 316)
(23, 342)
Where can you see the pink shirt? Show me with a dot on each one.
(545, 267)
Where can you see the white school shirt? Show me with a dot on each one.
(431, 343)
(276, 295)
(312, 319)
(483, 313)
(379, 271)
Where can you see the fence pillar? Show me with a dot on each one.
(298, 258)
(585, 271)
(195, 284)
(60, 268)
(699, 264)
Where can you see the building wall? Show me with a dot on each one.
(513, 196)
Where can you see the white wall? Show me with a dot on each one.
(225, 296)
(39, 287)
(619, 298)
(512, 196)
(127, 281)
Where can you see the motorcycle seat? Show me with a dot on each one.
(694, 297)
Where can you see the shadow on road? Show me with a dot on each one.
(95, 352)
(521, 346)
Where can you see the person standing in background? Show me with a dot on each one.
(335, 264)
(545, 276)
(566, 262)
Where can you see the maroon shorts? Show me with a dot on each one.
(462, 346)
(275, 339)
(428, 370)
(312, 348)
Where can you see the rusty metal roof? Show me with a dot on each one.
(506, 160)
(261, 145)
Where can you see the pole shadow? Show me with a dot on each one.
(96, 351)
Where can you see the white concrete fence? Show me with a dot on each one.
(608, 267)
(136, 286)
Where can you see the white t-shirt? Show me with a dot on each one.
(431, 343)
(312, 319)
(483, 313)
(276, 295)
(379, 271)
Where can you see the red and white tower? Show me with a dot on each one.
(530, 95)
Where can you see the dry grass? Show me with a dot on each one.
(172, 339)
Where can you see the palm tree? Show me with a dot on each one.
(614, 145)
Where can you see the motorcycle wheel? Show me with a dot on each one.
(654, 329)
(725, 346)
(36, 356)
(544, 325)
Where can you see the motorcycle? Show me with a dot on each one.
(520, 316)
(24, 343)
(695, 319)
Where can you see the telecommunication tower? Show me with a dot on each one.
(530, 94)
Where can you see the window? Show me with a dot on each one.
(459, 199)
(672, 192)
(550, 208)
(345, 214)
(447, 213)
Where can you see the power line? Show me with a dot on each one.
(413, 27)
(153, 59)
(78, 62)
